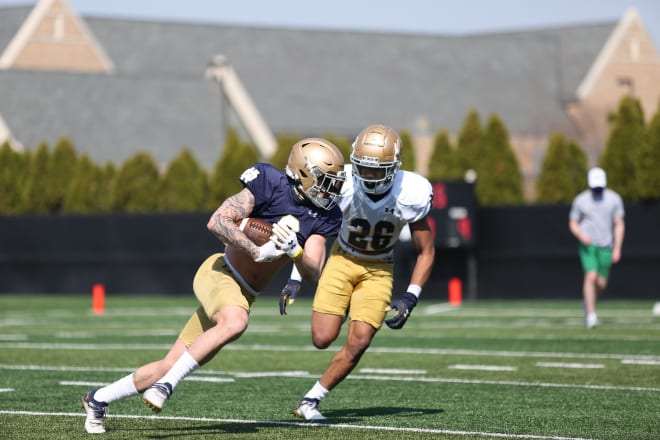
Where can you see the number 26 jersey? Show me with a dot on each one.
(369, 228)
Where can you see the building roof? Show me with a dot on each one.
(303, 81)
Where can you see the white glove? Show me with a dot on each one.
(268, 252)
(284, 236)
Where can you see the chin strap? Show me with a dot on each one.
(298, 193)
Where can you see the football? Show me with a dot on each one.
(257, 230)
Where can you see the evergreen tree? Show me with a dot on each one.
(136, 186)
(648, 163)
(108, 174)
(60, 173)
(443, 165)
(407, 151)
(34, 197)
(622, 149)
(185, 185)
(284, 143)
(87, 190)
(564, 171)
(499, 181)
(470, 142)
(13, 169)
(24, 164)
(236, 157)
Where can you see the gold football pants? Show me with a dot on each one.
(215, 287)
(361, 286)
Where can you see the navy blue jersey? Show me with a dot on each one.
(274, 199)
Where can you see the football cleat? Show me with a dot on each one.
(591, 321)
(308, 409)
(96, 412)
(156, 395)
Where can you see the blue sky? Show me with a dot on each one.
(417, 16)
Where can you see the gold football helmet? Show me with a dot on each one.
(376, 157)
(317, 167)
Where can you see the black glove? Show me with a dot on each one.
(288, 295)
(403, 308)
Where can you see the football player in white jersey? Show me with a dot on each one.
(377, 202)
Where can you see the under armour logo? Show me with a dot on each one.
(390, 210)
(313, 213)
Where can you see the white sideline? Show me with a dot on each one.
(310, 424)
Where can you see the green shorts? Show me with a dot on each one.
(596, 258)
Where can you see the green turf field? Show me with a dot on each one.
(485, 370)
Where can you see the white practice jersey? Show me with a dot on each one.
(370, 228)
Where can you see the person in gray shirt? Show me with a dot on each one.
(596, 220)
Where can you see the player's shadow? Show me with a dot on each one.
(336, 416)
(198, 431)
(351, 415)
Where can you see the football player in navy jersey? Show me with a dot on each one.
(302, 205)
(377, 203)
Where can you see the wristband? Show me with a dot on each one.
(295, 274)
(415, 290)
(298, 253)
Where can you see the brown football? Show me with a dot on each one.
(256, 229)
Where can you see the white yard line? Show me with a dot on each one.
(298, 348)
(568, 365)
(81, 383)
(387, 377)
(310, 424)
(13, 337)
(482, 367)
(438, 309)
(77, 383)
(640, 362)
(389, 371)
(209, 379)
(500, 382)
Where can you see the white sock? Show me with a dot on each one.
(318, 392)
(120, 389)
(181, 368)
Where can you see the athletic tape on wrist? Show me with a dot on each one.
(415, 290)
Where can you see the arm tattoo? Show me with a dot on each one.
(223, 222)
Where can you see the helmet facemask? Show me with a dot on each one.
(373, 176)
(317, 168)
(326, 189)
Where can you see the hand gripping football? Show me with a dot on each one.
(257, 230)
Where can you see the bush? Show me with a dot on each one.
(135, 188)
(185, 185)
(443, 164)
(622, 149)
(564, 171)
(499, 180)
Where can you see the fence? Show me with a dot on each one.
(518, 252)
